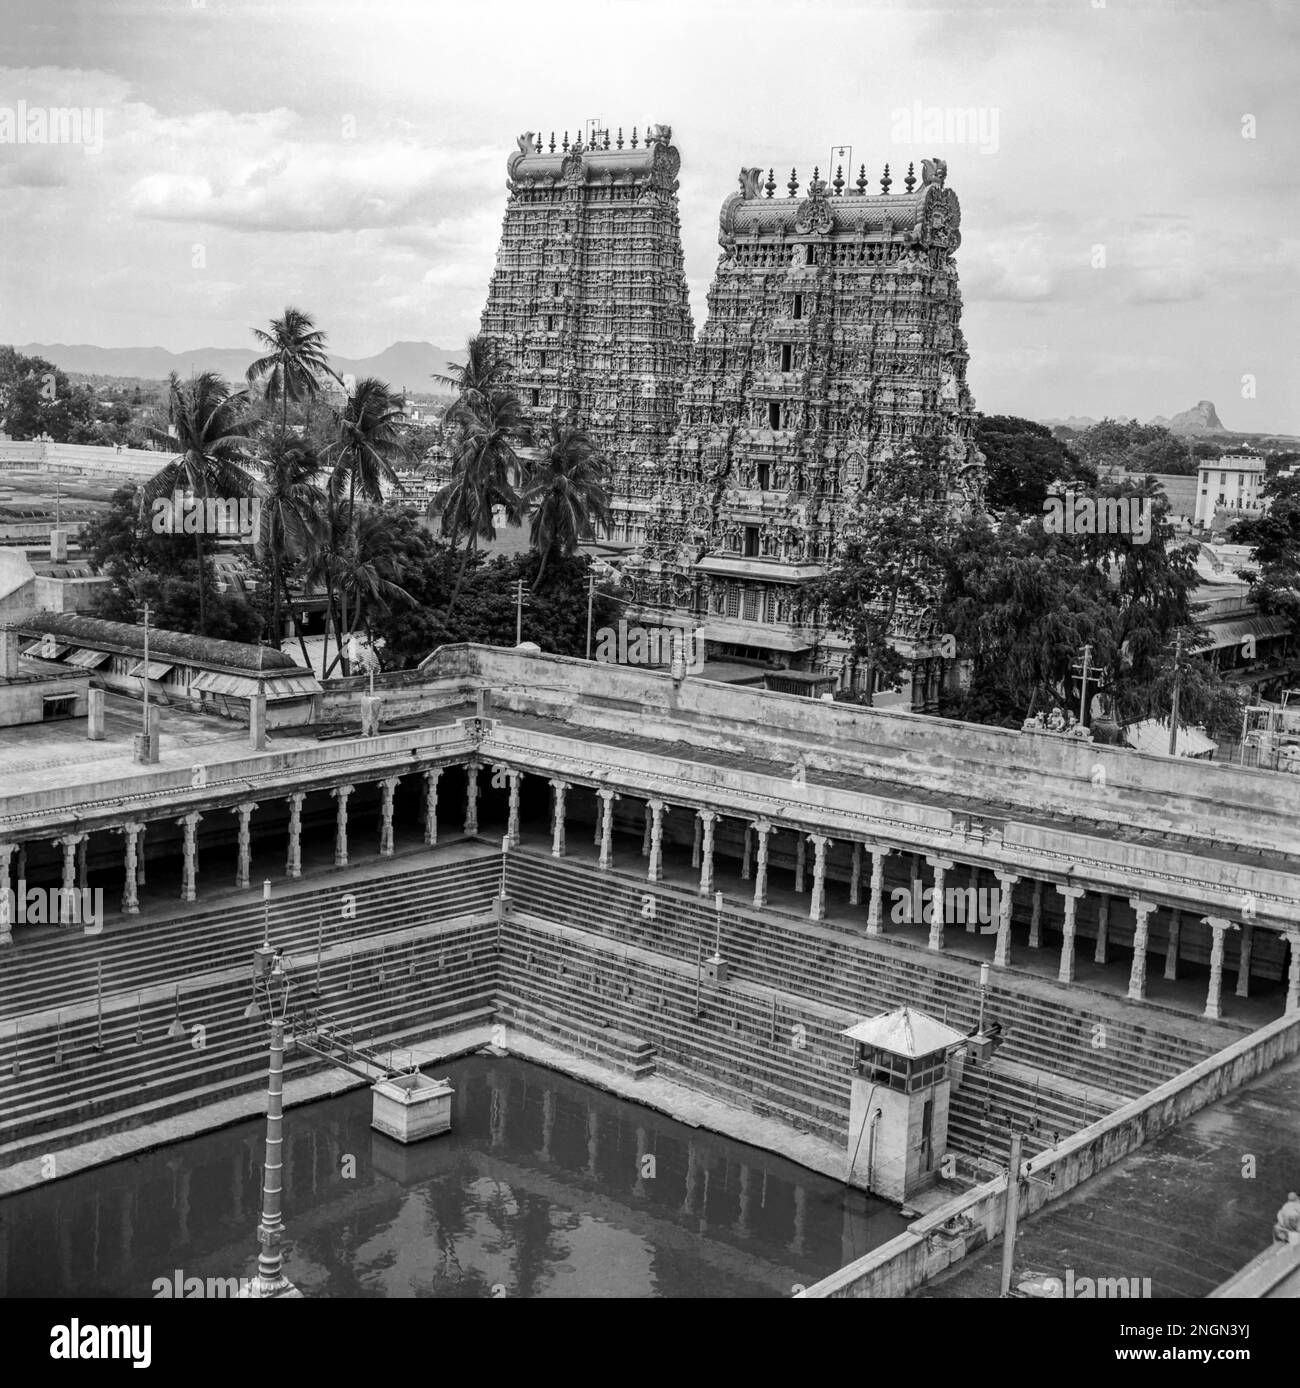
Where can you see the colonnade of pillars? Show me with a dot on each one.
(754, 863)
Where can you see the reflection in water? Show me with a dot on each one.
(544, 1187)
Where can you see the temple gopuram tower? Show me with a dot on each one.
(833, 344)
(589, 303)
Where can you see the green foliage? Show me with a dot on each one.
(162, 570)
(36, 398)
(1134, 447)
(1275, 541)
(1022, 460)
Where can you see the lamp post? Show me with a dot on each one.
(270, 1280)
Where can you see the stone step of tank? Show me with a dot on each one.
(370, 1008)
(775, 960)
(62, 971)
(959, 984)
(204, 1095)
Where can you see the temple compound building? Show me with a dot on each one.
(588, 300)
(833, 346)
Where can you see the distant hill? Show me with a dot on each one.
(407, 365)
(1200, 419)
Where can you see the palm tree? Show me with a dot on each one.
(567, 494)
(207, 426)
(325, 564)
(290, 519)
(484, 371)
(483, 463)
(371, 564)
(295, 361)
(371, 439)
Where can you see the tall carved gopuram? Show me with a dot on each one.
(588, 300)
(833, 344)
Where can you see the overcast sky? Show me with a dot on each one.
(348, 156)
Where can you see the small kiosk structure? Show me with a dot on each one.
(898, 1109)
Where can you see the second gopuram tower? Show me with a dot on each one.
(833, 348)
(588, 301)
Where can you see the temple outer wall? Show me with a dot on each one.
(909, 1261)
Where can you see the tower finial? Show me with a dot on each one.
(552, 141)
(770, 185)
(816, 178)
(539, 142)
(606, 146)
(793, 184)
(634, 137)
(565, 145)
(619, 142)
(885, 180)
(838, 182)
(910, 181)
(862, 179)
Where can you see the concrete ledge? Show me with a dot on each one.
(946, 1235)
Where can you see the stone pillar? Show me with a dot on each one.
(257, 722)
(83, 853)
(1006, 894)
(746, 855)
(431, 779)
(695, 845)
(69, 844)
(645, 833)
(855, 877)
(707, 819)
(941, 868)
(1036, 916)
(139, 874)
(1219, 927)
(1071, 895)
(1243, 963)
(190, 865)
(389, 784)
(1293, 973)
(972, 919)
(878, 856)
(817, 907)
(655, 870)
(1171, 950)
(512, 818)
(557, 819)
(95, 715)
(243, 870)
(607, 798)
(340, 794)
(293, 862)
(1103, 929)
(1137, 978)
(762, 827)
(130, 897)
(471, 800)
(8, 895)
(798, 860)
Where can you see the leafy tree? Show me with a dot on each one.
(142, 565)
(289, 520)
(294, 363)
(370, 441)
(566, 494)
(1022, 461)
(485, 466)
(1274, 538)
(36, 398)
(208, 429)
(887, 562)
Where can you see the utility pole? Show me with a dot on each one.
(144, 682)
(1083, 690)
(519, 611)
(1178, 675)
(591, 600)
(1013, 1209)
